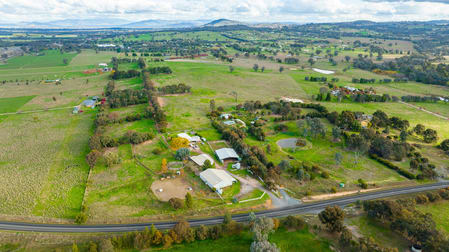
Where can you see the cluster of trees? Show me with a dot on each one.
(257, 132)
(372, 81)
(411, 98)
(345, 120)
(315, 79)
(444, 145)
(291, 60)
(126, 97)
(402, 217)
(311, 127)
(422, 164)
(417, 68)
(181, 88)
(159, 70)
(117, 74)
(428, 135)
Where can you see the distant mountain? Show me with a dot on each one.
(70, 23)
(224, 22)
(155, 23)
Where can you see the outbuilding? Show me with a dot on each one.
(201, 159)
(192, 139)
(226, 154)
(217, 179)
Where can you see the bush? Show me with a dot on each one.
(293, 222)
(182, 154)
(421, 199)
(325, 174)
(157, 151)
(433, 196)
(444, 193)
(176, 203)
(81, 218)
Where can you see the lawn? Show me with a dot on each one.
(440, 214)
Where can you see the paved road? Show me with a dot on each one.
(280, 212)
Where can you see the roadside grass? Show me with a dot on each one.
(382, 234)
(302, 240)
(440, 214)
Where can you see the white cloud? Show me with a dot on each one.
(243, 10)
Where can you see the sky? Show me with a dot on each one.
(300, 11)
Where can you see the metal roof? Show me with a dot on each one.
(226, 153)
(215, 176)
(200, 159)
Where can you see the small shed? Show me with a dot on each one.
(200, 159)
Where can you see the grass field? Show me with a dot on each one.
(44, 173)
(380, 233)
(48, 58)
(12, 104)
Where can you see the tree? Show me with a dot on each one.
(164, 165)
(261, 228)
(93, 247)
(403, 136)
(178, 143)
(255, 67)
(189, 200)
(111, 158)
(184, 232)
(202, 233)
(430, 136)
(347, 58)
(262, 69)
(419, 129)
(65, 61)
(311, 61)
(182, 154)
(207, 164)
(281, 69)
(332, 217)
(92, 158)
(231, 69)
(444, 145)
(212, 105)
(106, 246)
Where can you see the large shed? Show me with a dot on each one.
(225, 154)
(217, 179)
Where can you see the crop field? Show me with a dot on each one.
(44, 173)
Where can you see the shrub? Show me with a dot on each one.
(433, 196)
(293, 222)
(444, 193)
(202, 233)
(421, 199)
(157, 151)
(182, 154)
(176, 203)
(325, 174)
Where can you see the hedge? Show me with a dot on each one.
(390, 165)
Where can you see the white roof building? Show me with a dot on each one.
(217, 179)
(226, 153)
(200, 159)
(225, 116)
(293, 100)
(191, 139)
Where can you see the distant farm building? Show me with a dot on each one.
(217, 179)
(89, 103)
(103, 64)
(201, 159)
(227, 154)
(225, 116)
(293, 100)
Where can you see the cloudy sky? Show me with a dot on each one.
(13, 11)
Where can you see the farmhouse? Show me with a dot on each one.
(217, 179)
(193, 139)
(226, 154)
(200, 159)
